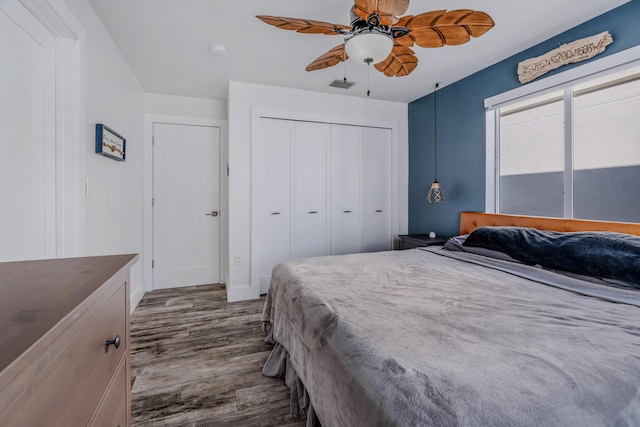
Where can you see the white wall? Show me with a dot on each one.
(111, 219)
(185, 106)
(244, 100)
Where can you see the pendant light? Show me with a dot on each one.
(436, 193)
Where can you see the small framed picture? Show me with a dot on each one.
(110, 143)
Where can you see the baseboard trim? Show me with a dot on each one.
(135, 299)
(241, 293)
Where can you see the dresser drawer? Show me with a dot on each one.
(112, 411)
(66, 392)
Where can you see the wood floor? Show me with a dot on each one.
(196, 360)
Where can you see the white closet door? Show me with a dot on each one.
(376, 189)
(310, 189)
(274, 187)
(346, 173)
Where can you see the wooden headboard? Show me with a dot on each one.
(469, 221)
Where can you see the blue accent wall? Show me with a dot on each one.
(461, 125)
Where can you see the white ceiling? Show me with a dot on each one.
(166, 43)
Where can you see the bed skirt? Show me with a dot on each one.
(278, 365)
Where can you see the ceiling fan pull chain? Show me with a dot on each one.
(344, 65)
(368, 61)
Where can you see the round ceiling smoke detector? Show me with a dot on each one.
(217, 49)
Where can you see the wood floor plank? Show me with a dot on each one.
(196, 360)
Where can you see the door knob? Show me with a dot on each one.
(213, 213)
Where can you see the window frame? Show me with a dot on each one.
(562, 81)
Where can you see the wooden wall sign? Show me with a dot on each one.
(569, 53)
(110, 143)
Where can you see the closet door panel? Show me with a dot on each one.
(275, 206)
(376, 190)
(319, 189)
(310, 189)
(346, 190)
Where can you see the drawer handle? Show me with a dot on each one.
(347, 211)
(313, 212)
(275, 213)
(378, 210)
(115, 342)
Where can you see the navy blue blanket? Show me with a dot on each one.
(604, 255)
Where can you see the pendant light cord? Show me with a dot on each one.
(435, 194)
(435, 132)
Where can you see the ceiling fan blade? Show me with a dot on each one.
(389, 10)
(405, 40)
(477, 23)
(439, 27)
(307, 26)
(329, 59)
(400, 62)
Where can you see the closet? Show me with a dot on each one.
(319, 189)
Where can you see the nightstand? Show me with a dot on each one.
(408, 241)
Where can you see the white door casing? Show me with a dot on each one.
(186, 199)
(397, 221)
(40, 111)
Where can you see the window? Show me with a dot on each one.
(573, 152)
(532, 157)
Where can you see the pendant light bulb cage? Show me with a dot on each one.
(436, 193)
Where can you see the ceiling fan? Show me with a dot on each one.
(378, 35)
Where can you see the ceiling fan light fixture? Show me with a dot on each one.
(369, 47)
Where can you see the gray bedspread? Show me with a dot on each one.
(432, 338)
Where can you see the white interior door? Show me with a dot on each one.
(376, 181)
(186, 218)
(274, 190)
(310, 184)
(27, 136)
(346, 173)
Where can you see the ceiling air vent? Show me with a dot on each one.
(342, 84)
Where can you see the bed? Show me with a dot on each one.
(467, 337)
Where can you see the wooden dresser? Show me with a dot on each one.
(64, 342)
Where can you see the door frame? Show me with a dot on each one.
(69, 159)
(150, 120)
(253, 290)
